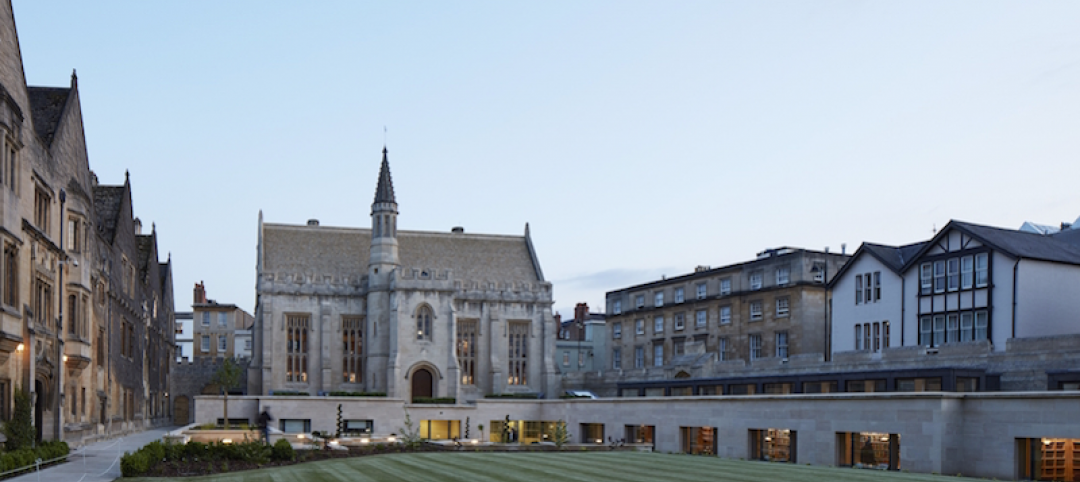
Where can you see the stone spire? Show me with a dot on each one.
(384, 192)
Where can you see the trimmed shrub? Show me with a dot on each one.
(134, 464)
(357, 394)
(282, 451)
(288, 393)
(443, 400)
(524, 396)
(195, 450)
(20, 429)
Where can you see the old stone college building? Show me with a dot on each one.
(413, 314)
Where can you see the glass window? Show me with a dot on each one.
(616, 307)
(616, 359)
(223, 343)
(925, 279)
(781, 344)
(659, 298)
(755, 347)
(658, 324)
(965, 326)
(725, 315)
(925, 330)
(702, 318)
(725, 286)
(639, 356)
(206, 318)
(885, 334)
(981, 322)
(939, 329)
(869, 450)
(877, 285)
(658, 355)
(616, 330)
(783, 275)
(877, 337)
(858, 289)
(782, 307)
(755, 280)
(679, 295)
(721, 347)
(755, 310)
(858, 337)
(982, 268)
(223, 318)
(952, 324)
(939, 276)
(772, 445)
(953, 267)
(967, 266)
(639, 326)
(639, 301)
(701, 291)
(868, 292)
(680, 321)
(205, 344)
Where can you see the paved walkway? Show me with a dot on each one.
(97, 462)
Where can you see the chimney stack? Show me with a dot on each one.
(200, 293)
(138, 226)
(581, 311)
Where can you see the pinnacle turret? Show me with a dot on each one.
(384, 192)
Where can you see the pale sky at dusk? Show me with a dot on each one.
(636, 138)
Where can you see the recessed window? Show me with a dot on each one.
(967, 272)
(725, 286)
(679, 295)
(519, 338)
(877, 286)
(701, 291)
(639, 357)
(223, 319)
(858, 289)
(925, 279)
(639, 301)
(616, 330)
(639, 326)
(783, 275)
(680, 321)
(953, 272)
(722, 348)
(423, 323)
(982, 268)
(755, 280)
(755, 310)
(939, 276)
(352, 340)
(658, 324)
(616, 359)
(616, 307)
(658, 355)
(205, 344)
(42, 200)
(658, 299)
(223, 344)
(781, 344)
(725, 315)
(782, 308)
(702, 318)
(755, 347)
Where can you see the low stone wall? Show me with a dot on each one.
(947, 433)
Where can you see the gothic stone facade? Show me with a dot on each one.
(409, 313)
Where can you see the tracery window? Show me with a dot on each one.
(296, 367)
(519, 339)
(352, 363)
(466, 351)
(423, 323)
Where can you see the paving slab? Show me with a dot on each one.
(96, 462)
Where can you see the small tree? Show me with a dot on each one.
(227, 376)
(409, 434)
(480, 427)
(506, 430)
(561, 437)
(466, 427)
(20, 429)
(340, 422)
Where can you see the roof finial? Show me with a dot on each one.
(127, 175)
(384, 192)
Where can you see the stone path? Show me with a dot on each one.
(97, 462)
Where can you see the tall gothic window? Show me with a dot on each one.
(43, 302)
(466, 351)
(73, 313)
(352, 364)
(519, 339)
(423, 323)
(11, 275)
(296, 367)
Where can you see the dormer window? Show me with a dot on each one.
(41, 209)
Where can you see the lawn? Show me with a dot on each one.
(585, 467)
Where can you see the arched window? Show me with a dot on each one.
(423, 323)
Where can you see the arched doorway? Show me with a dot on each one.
(39, 408)
(181, 410)
(422, 384)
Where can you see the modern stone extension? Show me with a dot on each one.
(974, 434)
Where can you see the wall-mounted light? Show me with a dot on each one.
(20, 347)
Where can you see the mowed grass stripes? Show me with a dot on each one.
(567, 466)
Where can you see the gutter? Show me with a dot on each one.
(1016, 271)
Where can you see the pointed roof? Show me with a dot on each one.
(46, 109)
(107, 203)
(384, 192)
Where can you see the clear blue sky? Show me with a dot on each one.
(637, 138)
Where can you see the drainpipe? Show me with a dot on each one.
(903, 308)
(1016, 271)
(58, 429)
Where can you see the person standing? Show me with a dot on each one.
(264, 424)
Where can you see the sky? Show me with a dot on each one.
(637, 139)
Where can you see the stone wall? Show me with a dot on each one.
(190, 378)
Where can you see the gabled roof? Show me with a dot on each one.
(893, 257)
(1016, 244)
(1071, 236)
(107, 203)
(144, 244)
(46, 109)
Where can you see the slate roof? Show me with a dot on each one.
(895, 257)
(1023, 244)
(1071, 236)
(107, 202)
(144, 244)
(46, 109)
(323, 249)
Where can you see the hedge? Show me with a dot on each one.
(443, 400)
(146, 458)
(23, 457)
(357, 394)
(526, 396)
